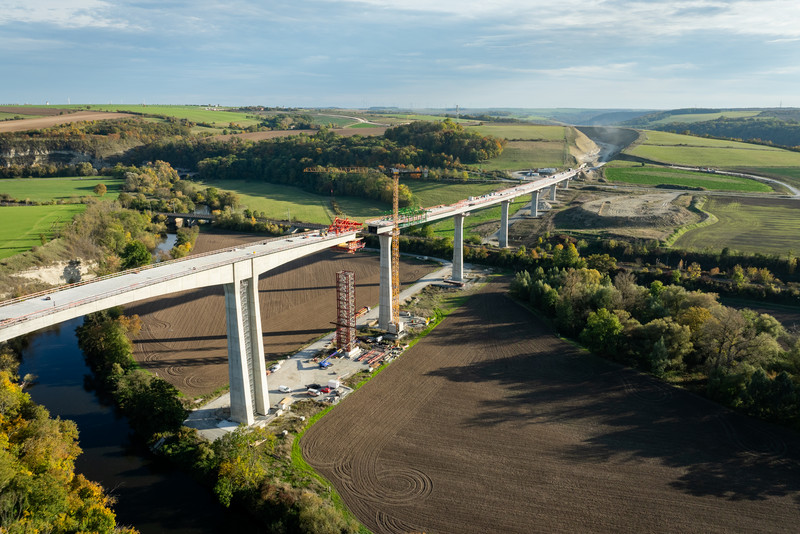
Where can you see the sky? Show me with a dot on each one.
(615, 54)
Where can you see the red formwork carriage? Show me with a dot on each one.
(342, 226)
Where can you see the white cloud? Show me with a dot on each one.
(777, 18)
(64, 13)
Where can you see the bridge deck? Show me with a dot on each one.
(128, 286)
(384, 225)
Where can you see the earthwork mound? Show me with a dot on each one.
(649, 216)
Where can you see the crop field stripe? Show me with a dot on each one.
(679, 149)
(661, 175)
(747, 225)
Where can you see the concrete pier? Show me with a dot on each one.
(458, 248)
(503, 235)
(246, 367)
(535, 203)
(385, 292)
(553, 192)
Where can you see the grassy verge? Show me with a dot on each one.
(707, 218)
(650, 175)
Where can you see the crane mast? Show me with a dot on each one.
(395, 320)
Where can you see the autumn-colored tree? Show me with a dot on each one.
(39, 490)
(100, 190)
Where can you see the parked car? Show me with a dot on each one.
(313, 392)
(275, 367)
(284, 389)
(313, 386)
(326, 389)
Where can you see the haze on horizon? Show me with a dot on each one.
(409, 53)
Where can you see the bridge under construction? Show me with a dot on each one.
(237, 270)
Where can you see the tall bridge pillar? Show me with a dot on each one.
(503, 235)
(246, 366)
(566, 184)
(385, 292)
(535, 203)
(553, 192)
(458, 248)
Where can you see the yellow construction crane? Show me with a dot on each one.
(396, 249)
(396, 171)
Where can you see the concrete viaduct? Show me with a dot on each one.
(237, 270)
(383, 228)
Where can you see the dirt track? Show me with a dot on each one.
(183, 338)
(492, 424)
(47, 122)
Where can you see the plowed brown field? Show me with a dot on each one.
(183, 338)
(492, 424)
(48, 121)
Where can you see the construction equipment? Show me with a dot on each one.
(415, 214)
(396, 249)
(345, 310)
(341, 226)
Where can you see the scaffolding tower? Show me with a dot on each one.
(345, 310)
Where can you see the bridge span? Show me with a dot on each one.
(237, 270)
(383, 228)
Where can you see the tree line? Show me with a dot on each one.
(284, 160)
(747, 359)
(760, 130)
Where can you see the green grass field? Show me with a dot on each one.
(14, 116)
(21, 227)
(337, 121)
(279, 201)
(193, 113)
(649, 175)
(403, 117)
(361, 125)
(790, 175)
(701, 152)
(768, 226)
(518, 155)
(433, 193)
(46, 189)
(446, 227)
(525, 132)
(700, 117)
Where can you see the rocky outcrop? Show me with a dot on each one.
(26, 156)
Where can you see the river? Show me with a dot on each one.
(151, 497)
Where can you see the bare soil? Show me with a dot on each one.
(183, 338)
(640, 216)
(47, 122)
(25, 110)
(492, 424)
